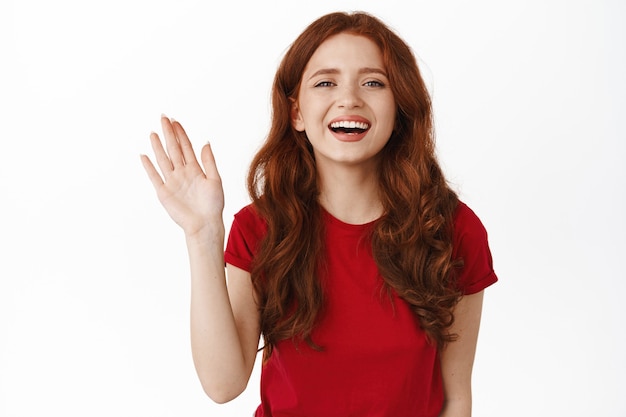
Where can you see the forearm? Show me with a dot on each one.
(216, 347)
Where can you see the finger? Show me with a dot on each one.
(185, 144)
(161, 156)
(154, 176)
(208, 161)
(171, 143)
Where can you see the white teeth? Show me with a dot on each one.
(349, 125)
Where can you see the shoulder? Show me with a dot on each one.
(248, 225)
(246, 232)
(247, 212)
(467, 223)
(471, 245)
(248, 218)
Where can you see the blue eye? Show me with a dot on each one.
(324, 84)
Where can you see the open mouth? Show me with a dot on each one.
(349, 127)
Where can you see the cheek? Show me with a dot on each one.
(310, 116)
(391, 120)
(389, 111)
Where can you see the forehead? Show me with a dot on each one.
(344, 52)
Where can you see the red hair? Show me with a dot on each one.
(411, 242)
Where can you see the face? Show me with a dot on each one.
(345, 104)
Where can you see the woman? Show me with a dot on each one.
(355, 261)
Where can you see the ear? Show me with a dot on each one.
(296, 117)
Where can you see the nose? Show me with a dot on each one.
(349, 97)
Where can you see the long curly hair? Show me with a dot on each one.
(411, 242)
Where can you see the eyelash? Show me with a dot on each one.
(372, 83)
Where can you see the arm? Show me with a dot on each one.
(457, 358)
(224, 321)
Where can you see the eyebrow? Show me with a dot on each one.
(364, 70)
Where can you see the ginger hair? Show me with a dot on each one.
(411, 242)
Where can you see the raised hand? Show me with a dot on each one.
(193, 197)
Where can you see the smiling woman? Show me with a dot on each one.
(345, 84)
(356, 263)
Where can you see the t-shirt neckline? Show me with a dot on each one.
(348, 226)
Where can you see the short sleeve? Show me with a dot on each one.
(471, 245)
(245, 235)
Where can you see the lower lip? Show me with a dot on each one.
(349, 137)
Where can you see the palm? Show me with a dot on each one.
(193, 198)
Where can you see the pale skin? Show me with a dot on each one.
(224, 318)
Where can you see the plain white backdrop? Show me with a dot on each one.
(530, 99)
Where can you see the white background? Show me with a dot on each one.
(94, 290)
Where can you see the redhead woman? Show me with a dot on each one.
(355, 262)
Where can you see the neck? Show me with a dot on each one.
(350, 194)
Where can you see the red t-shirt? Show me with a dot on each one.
(375, 359)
